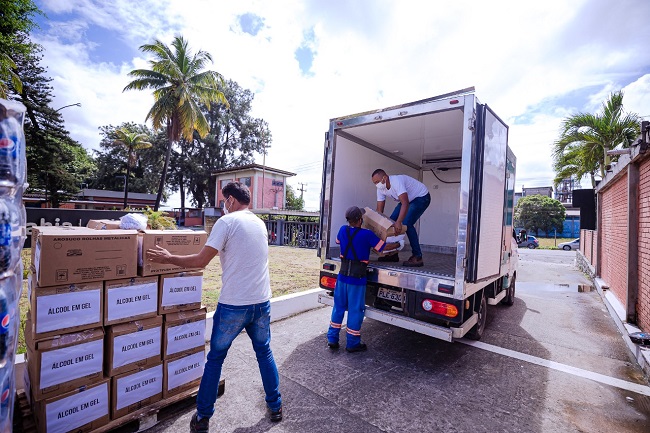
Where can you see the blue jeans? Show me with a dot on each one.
(350, 297)
(228, 322)
(417, 206)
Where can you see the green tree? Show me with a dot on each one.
(234, 138)
(179, 86)
(585, 139)
(16, 20)
(112, 160)
(132, 141)
(539, 212)
(294, 202)
(57, 165)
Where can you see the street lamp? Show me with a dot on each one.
(76, 104)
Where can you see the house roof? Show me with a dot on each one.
(257, 167)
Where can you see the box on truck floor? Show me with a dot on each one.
(132, 345)
(184, 332)
(68, 255)
(64, 309)
(180, 292)
(82, 410)
(178, 242)
(136, 389)
(64, 363)
(130, 299)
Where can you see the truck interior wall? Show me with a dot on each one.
(439, 224)
(352, 184)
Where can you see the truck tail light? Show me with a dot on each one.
(436, 307)
(327, 282)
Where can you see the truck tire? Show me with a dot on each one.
(510, 295)
(477, 331)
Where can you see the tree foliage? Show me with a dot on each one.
(581, 149)
(539, 212)
(180, 85)
(16, 20)
(233, 139)
(56, 163)
(293, 201)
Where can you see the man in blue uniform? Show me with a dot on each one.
(350, 290)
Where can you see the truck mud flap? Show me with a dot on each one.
(440, 332)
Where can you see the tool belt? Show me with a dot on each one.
(353, 268)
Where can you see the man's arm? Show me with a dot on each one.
(380, 206)
(404, 200)
(199, 260)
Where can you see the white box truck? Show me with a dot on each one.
(458, 148)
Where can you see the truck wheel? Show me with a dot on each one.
(510, 295)
(477, 331)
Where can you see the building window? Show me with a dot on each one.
(277, 183)
(245, 180)
(225, 182)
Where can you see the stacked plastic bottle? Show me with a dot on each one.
(12, 238)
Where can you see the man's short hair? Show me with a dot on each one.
(238, 190)
(354, 214)
(378, 171)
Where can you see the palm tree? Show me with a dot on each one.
(132, 141)
(585, 139)
(180, 86)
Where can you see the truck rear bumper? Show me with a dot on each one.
(440, 332)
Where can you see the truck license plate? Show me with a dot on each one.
(391, 295)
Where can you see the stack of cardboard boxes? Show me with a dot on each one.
(107, 332)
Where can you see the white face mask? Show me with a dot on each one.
(381, 186)
(224, 207)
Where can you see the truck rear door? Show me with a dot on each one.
(487, 185)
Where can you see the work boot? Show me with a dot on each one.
(276, 415)
(413, 261)
(197, 426)
(389, 258)
(358, 348)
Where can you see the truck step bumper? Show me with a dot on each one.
(440, 332)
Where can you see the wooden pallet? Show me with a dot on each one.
(137, 421)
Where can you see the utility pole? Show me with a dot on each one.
(302, 189)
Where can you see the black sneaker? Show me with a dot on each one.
(333, 346)
(389, 258)
(202, 426)
(360, 348)
(276, 415)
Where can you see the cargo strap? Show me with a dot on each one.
(352, 268)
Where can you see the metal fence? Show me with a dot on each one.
(293, 233)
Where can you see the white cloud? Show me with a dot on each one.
(524, 58)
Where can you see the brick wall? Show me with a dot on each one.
(643, 303)
(614, 237)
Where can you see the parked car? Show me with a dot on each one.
(531, 243)
(572, 245)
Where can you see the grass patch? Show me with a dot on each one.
(551, 243)
(291, 270)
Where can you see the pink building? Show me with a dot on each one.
(268, 185)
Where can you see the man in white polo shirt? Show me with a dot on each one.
(414, 198)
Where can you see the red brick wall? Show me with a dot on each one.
(643, 303)
(614, 238)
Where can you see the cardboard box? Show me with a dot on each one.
(178, 242)
(64, 309)
(103, 224)
(82, 410)
(183, 374)
(379, 224)
(130, 299)
(64, 363)
(70, 255)
(133, 345)
(180, 292)
(184, 332)
(136, 389)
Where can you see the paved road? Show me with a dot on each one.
(553, 362)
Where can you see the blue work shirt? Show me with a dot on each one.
(363, 241)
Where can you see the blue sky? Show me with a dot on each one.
(309, 60)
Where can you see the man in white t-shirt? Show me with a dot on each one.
(240, 239)
(414, 198)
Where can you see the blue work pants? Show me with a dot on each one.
(417, 206)
(350, 297)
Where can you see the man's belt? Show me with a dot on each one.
(353, 268)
